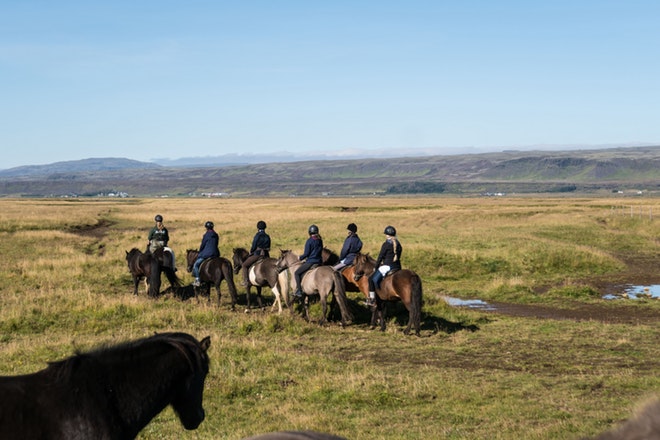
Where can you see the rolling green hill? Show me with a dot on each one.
(631, 169)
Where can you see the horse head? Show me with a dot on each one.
(191, 256)
(239, 255)
(286, 260)
(187, 399)
(363, 264)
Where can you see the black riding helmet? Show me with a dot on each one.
(352, 227)
(208, 225)
(158, 218)
(313, 229)
(389, 230)
(261, 224)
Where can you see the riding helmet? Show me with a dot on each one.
(389, 230)
(261, 224)
(313, 229)
(158, 218)
(352, 227)
(208, 225)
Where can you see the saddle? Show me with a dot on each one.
(390, 273)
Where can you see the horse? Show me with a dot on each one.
(262, 273)
(321, 280)
(112, 392)
(149, 266)
(329, 257)
(403, 285)
(213, 271)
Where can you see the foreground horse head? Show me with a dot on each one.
(112, 392)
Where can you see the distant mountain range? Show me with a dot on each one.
(634, 169)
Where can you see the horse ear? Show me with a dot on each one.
(205, 343)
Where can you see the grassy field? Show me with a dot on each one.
(64, 286)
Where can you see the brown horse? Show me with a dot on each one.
(262, 273)
(321, 280)
(213, 271)
(148, 266)
(330, 258)
(403, 285)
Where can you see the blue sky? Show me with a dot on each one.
(170, 79)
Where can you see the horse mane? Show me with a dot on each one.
(131, 352)
(366, 257)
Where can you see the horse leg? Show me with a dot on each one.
(259, 299)
(217, 289)
(306, 308)
(278, 301)
(324, 308)
(136, 281)
(383, 312)
(247, 297)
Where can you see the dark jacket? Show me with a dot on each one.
(159, 235)
(260, 244)
(352, 247)
(209, 246)
(313, 252)
(388, 255)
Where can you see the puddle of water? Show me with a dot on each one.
(636, 292)
(469, 303)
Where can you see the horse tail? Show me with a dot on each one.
(171, 277)
(340, 295)
(154, 278)
(284, 282)
(228, 272)
(416, 301)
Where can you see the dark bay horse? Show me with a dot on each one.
(320, 280)
(263, 273)
(213, 271)
(404, 285)
(148, 266)
(109, 393)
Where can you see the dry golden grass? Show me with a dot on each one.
(64, 286)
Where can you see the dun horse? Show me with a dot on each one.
(321, 280)
(148, 266)
(213, 271)
(109, 393)
(262, 273)
(404, 285)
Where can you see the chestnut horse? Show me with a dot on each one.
(403, 285)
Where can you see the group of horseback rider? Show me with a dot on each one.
(389, 257)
